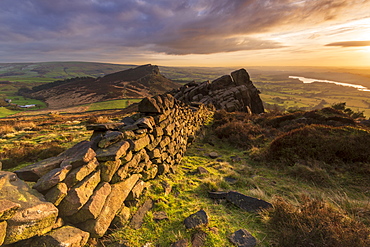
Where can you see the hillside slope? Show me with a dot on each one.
(138, 82)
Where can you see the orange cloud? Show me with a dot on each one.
(350, 43)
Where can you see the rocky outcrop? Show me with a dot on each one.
(234, 92)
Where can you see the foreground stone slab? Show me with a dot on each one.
(65, 236)
(52, 178)
(35, 171)
(34, 217)
(197, 219)
(138, 218)
(97, 227)
(242, 238)
(76, 156)
(247, 203)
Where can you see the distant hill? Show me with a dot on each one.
(137, 82)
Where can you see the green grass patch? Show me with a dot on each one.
(112, 104)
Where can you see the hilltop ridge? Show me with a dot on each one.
(139, 82)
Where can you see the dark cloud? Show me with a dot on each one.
(172, 27)
(350, 43)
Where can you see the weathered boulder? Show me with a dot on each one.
(78, 174)
(197, 219)
(7, 208)
(160, 215)
(35, 171)
(121, 218)
(93, 206)
(242, 238)
(149, 105)
(79, 195)
(97, 227)
(180, 243)
(109, 138)
(198, 239)
(33, 217)
(113, 152)
(108, 169)
(56, 194)
(78, 155)
(65, 236)
(138, 218)
(137, 145)
(52, 178)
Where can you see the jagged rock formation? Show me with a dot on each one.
(139, 82)
(88, 185)
(234, 92)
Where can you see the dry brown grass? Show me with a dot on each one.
(314, 223)
(97, 120)
(26, 153)
(6, 129)
(20, 125)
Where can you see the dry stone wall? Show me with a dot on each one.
(77, 194)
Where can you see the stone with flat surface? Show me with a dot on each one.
(62, 237)
(97, 227)
(52, 178)
(79, 195)
(37, 215)
(242, 238)
(247, 203)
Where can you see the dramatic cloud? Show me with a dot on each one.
(166, 26)
(350, 43)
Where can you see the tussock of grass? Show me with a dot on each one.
(315, 174)
(314, 223)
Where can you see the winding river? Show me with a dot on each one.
(310, 80)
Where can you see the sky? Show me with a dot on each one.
(187, 32)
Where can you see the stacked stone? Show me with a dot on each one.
(234, 92)
(89, 184)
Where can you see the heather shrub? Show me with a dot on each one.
(324, 143)
(314, 223)
(237, 129)
(240, 134)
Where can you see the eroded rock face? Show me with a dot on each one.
(28, 215)
(232, 93)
